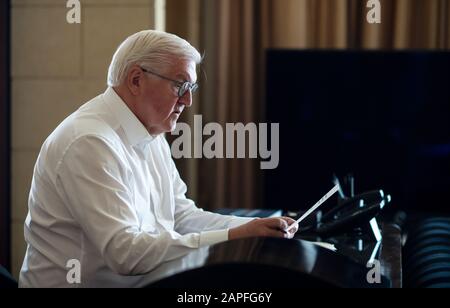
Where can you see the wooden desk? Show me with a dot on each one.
(275, 263)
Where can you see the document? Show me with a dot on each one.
(325, 245)
(315, 206)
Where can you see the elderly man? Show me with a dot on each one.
(106, 193)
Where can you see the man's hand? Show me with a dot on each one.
(268, 227)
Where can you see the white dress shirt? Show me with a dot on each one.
(107, 194)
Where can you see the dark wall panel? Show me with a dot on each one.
(5, 148)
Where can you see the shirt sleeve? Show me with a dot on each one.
(92, 179)
(189, 218)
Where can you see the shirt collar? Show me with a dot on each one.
(135, 132)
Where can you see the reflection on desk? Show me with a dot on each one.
(262, 263)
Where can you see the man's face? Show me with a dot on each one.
(158, 105)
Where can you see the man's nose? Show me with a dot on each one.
(186, 99)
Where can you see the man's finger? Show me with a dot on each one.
(294, 228)
(293, 231)
(277, 223)
(275, 233)
(289, 220)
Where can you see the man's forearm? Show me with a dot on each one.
(237, 232)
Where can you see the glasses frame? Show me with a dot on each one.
(183, 86)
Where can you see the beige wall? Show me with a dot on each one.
(56, 67)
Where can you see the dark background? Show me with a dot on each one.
(4, 135)
(383, 116)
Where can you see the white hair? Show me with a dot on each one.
(151, 49)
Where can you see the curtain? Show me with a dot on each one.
(234, 35)
(417, 24)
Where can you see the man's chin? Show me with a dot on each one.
(172, 127)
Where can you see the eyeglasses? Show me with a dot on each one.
(183, 87)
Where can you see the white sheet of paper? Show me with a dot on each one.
(316, 206)
(325, 245)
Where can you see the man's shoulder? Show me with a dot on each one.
(91, 119)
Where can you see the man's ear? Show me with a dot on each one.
(134, 79)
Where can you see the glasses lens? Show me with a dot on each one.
(183, 89)
(186, 87)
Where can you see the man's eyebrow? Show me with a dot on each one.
(183, 77)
